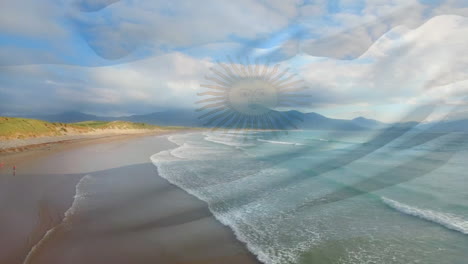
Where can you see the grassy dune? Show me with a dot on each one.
(114, 125)
(22, 128)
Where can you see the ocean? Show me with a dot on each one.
(331, 197)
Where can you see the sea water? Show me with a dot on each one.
(331, 197)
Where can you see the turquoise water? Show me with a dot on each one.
(331, 197)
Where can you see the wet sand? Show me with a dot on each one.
(124, 212)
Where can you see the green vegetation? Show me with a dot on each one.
(20, 128)
(114, 125)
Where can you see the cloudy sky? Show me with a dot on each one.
(373, 58)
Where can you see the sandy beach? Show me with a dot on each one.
(21, 145)
(102, 201)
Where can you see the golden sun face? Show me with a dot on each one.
(252, 96)
(248, 96)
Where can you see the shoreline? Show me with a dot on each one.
(19, 145)
(181, 226)
(16, 155)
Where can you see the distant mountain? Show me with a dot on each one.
(168, 118)
(368, 123)
(311, 120)
(447, 126)
(191, 118)
(69, 117)
(165, 118)
(319, 122)
(299, 119)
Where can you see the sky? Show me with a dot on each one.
(372, 58)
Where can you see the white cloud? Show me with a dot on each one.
(403, 67)
(410, 64)
(167, 81)
(31, 18)
(159, 24)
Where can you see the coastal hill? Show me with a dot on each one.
(310, 121)
(23, 128)
(190, 118)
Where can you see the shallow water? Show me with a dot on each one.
(341, 197)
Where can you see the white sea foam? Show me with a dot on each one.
(228, 140)
(173, 139)
(263, 240)
(237, 220)
(179, 139)
(447, 220)
(263, 220)
(80, 194)
(281, 142)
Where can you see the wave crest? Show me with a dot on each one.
(447, 220)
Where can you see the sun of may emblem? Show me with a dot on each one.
(248, 96)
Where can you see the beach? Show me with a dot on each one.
(192, 197)
(102, 201)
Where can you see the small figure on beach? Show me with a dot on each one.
(14, 170)
(1, 165)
